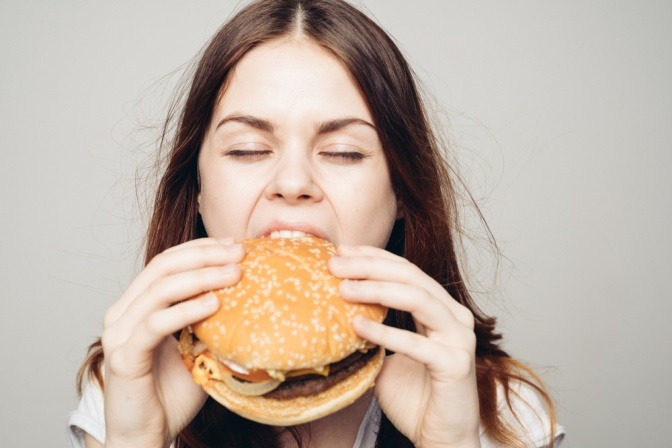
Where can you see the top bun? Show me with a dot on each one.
(285, 313)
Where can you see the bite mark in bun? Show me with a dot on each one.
(281, 349)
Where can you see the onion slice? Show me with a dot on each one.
(251, 389)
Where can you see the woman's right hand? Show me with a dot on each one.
(149, 395)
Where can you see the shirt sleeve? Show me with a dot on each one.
(368, 429)
(531, 420)
(89, 417)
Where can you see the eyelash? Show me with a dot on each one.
(251, 154)
(349, 156)
(247, 154)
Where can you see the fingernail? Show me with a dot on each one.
(228, 269)
(337, 261)
(233, 247)
(346, 248)
(349, 285)
(210, 301)
(359, 321)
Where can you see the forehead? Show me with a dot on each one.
(288, 78)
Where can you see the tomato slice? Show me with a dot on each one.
(255, 376)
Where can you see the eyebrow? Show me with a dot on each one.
(324, 127)
(334, 125)
(254, 122)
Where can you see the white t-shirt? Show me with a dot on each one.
(90, 418)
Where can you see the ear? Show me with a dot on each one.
(400, 208)
(400, 212)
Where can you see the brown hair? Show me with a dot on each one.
(428, 235)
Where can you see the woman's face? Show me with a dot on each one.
(292, 147)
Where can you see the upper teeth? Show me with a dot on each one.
(288, 234)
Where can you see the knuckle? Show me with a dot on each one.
(470, 341)
(415, 343)
(159, 259)
(153, 324)
(110, 317)
(157, 288)
(412, 270)
(107, 340)
(465, 316)
(424, 299)
(463, 363)
(115, 363)
(162, 263)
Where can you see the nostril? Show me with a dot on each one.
(286, 196)
(293, 181)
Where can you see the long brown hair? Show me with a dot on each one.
(428, 235)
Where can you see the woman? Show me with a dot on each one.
(303, 115)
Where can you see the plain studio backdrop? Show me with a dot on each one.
(561, 114)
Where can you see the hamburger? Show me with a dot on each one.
(281, 349)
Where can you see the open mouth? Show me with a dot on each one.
(288, 234)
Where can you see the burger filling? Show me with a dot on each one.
(307, 385)
(271, 384)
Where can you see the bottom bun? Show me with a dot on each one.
(295, 411)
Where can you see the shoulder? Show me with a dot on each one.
(526, 412)
(89, 416)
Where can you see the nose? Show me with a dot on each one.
(294, 181)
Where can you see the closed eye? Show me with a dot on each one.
(348, 156)
(247, 154)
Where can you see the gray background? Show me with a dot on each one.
(561, 112)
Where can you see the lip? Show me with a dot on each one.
(294, 226)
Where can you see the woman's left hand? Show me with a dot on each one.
(428, 387)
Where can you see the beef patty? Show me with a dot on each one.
(307, 385)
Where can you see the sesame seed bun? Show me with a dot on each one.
(285, 315)
(299, 410)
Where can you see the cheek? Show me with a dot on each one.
(386, 202)
(371, 205)
(222, 206)
(385, 196)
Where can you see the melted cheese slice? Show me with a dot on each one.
(324, 371)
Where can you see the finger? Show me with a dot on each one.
(455, 361)
(432, 317)
(135, 358)
(167, 291)
(369, 264)
(167, 321)
(201, 242)
(426, 309)
(348, 250)
(187, 257)
(375, 252)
